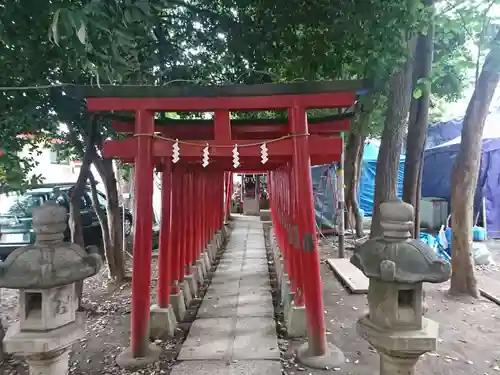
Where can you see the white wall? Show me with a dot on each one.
(46, 167)
(53, 172)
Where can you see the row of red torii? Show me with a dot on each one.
(197, 159)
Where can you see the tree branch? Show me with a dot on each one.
(88, 156)
(484, 25)
(95, 201)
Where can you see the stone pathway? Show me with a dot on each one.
(235, 332)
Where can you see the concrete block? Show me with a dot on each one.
(163, 322)
(295, 322)
(206, 260)
(201, 271)
(285, 287)
(208, 339)
(250, 367)
(287, 303)
(332, 358)
(197, 276)
(178, 303)
(212, 250)
(255, 338)
(217, 305)
(255, 304)
(126, 360)
(189, 288)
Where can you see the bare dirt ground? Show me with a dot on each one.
(469, 341)
(469, 329)
(107, 309)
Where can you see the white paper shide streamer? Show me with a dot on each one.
(175, 152)
(236, 158)
(263, 153)
(206, 156)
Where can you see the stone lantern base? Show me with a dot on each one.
(54, 363)
(47, 353)
(399, 351)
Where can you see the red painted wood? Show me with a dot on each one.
(199, 219)
(250, 131)
(192, 220)
(222, 127)
(254, 166)
(143, 236)
(313, 288)
(299, 273)
(204, 104)
(183, 218)
(290, 189)
(318, 145)
(203, 211)
(165, 258)
(176, 237)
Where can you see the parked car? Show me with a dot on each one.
(16, 216)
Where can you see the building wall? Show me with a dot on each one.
(49, 167)
(54, 170)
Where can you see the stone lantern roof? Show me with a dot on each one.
(396, 257)
(49, 262)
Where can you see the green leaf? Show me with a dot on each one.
(144, 7)
(54, 27)
(417, 93)
(82, 34)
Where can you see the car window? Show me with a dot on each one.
(62, 198)
(21, 204)
(86, 201)
(101, 199)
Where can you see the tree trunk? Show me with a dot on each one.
(2, 354)
(75, 220)
(114, 253)
(355, 204)
(465, 174)
(103, 221)
(131, 190)
(354, 153)
(386, 178)
(418, 123)
(76, 192)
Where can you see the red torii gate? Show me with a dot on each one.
(292, 145)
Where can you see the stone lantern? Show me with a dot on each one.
(397, 266)
(45, 274)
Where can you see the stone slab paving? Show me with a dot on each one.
(235, 331)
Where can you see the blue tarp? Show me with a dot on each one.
(324, 179)
(438, 165)
(437, 134)
(367, 179)
(443, 132)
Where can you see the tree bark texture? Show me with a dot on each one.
(2, 335)
(386, 177)
(418, 124)
(103, 221)
(114, 253)
(353, 157)
(75, 196)
(465, 174)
